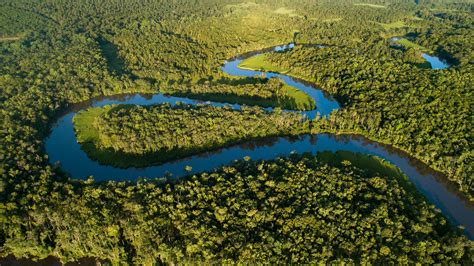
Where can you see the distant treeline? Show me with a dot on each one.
(60, 59)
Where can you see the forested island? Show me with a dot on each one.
(126, 136)
(75, 61)
(262, 92)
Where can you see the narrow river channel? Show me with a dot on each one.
(63, 149)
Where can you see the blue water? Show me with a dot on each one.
(435, 62)
(63, 149)
(325, 104)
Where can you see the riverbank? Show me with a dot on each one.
(341, 195)
(428, 182)
(127, 136)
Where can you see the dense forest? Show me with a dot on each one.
(259, 91)
(293, 210)
(126, 136)
(404, 105)
(55, 54)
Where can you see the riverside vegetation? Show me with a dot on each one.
(138, 136)
(333, 208)
(414, 112)
(253, 91)
(57, 53)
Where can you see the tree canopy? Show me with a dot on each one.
(55, 54)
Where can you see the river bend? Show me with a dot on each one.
(63, 149)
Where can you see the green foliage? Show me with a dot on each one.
(372, 165)
(263, 92)
(409, 44)
(56, 59)
(393, 25)
(16, 22)
(387, 98)
(127, 136)
(259, 63)
(290, 210)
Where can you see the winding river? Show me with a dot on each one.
(435, 62)
(63, 149)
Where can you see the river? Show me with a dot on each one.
(63, 149)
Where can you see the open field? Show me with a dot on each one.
(286, 11)
(258, 63)
(295, 96)
(85, 122)
(9, 38)
(244, 5)
(369, 5)
(296, 99)
(409, 44)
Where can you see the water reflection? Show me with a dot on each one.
(61, 146)
(435, 61)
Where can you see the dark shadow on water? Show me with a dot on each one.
(433, 185)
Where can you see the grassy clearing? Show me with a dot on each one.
(244, 5)
(416, 18)
(286, 11)
(259, 63)
(329, 20)
(87, 135)
(84, 124)
(409, 44)
(290, 98)
(369, 5)
(295, 99)
(9, 38)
